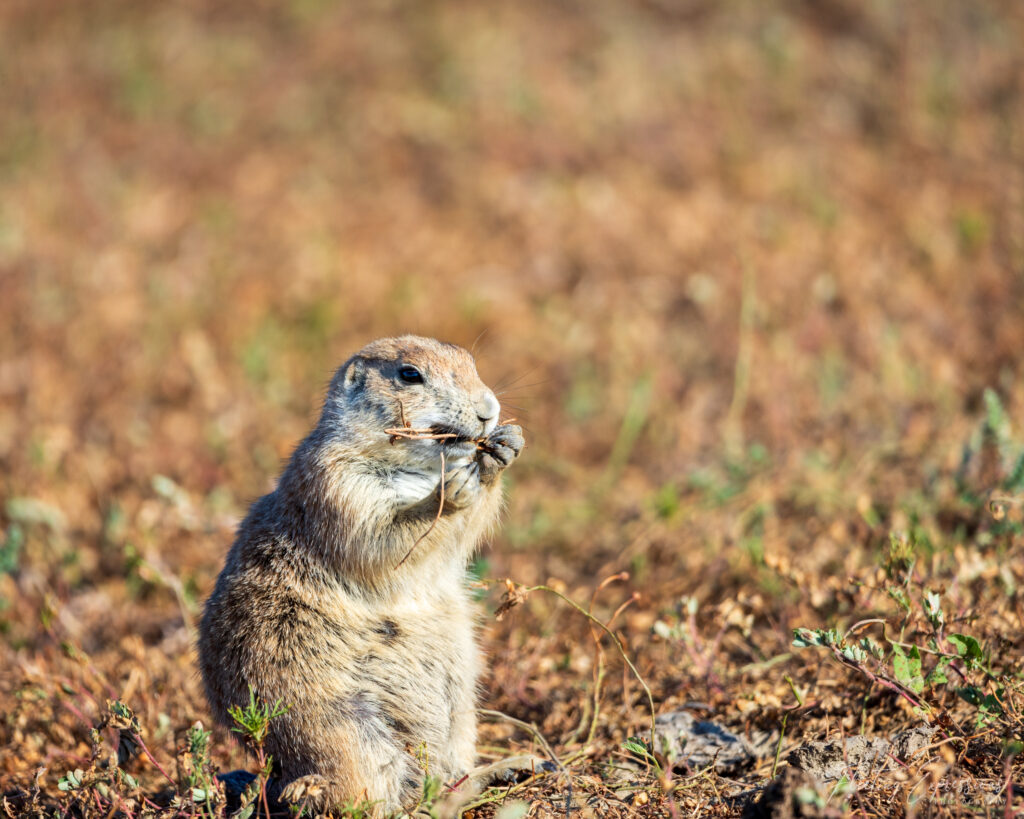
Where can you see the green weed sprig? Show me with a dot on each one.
(252, 721)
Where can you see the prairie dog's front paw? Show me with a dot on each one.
(499, 450)
(462, 483)
(412, 487)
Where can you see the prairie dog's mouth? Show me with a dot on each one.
(451, 435)
(455, 442)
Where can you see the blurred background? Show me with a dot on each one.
(743, 271)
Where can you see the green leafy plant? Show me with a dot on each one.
(104, 782)
(252, 721)
(199, 787)
(915, 657)
(432, 790)
(640, 747)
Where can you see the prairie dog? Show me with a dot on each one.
(344, 593)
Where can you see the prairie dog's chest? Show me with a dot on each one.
(427, 620)
(415, 655)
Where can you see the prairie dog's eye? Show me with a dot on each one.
(409, 374)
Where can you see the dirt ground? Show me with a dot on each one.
(750, 275)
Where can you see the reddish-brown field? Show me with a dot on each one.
(750, 275)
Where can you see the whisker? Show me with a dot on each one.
(516, 396)
(505, 384)
(476, 341)
(522, 386)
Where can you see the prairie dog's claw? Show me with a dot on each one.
(499, 450)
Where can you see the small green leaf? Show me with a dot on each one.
(937, 676)
(855, 653)
(900, 596)
(906, 664)
(10, 548)
(805, 637)
(966, 646)
(841, 788)
(872, 648)
(637, 746)
(431, 788)
(72, 780)
(988, 705)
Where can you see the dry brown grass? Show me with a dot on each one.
(744, 271)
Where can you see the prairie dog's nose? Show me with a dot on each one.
(487, 409)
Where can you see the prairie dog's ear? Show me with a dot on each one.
(354, 376)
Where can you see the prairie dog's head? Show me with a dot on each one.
(413, 382)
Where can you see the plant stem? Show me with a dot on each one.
(778, 748)
(875, 678)
(261, 758)
(529, 726)
(138, 740)
(615, 639)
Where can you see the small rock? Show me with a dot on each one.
(830, 761)
(699, 743)
(907, 744)
(859, 756)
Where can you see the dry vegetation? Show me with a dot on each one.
(750, 274)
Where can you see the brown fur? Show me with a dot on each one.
(375, 657)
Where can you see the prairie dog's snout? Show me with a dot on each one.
(487, 409)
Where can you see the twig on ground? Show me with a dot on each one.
(533, 729)
(599, 667)
(516, 595)
(528, 726)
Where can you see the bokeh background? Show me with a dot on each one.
(743, 271)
